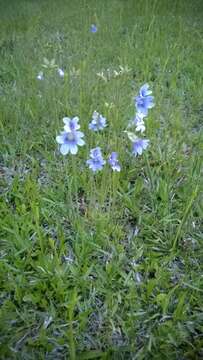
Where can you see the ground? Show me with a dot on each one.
(105, 265)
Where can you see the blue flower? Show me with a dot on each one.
(70, 139)
(139, 145)
(71, 124)
(113, 161)
(144, 101)
(96, 161)
(98, 122)
(93, 28)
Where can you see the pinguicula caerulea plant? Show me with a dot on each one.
(93, 28)
(143, 102)
(98, 122)
(139, 145)
(113, 161)
(70, 138)
(96, 161)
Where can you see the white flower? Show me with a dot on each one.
(61, 72)
(139, 122)
(40, 76)
(140, 126)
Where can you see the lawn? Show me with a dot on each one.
(104, 264)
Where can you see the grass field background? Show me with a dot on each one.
(105, 266)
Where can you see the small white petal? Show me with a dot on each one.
(139, 150)
(64, 149)
(40, 76)
(140, 127)
(60, 139)
(81, 142)
(67, 128)
(145, 144)
(61, 72)
(80, 134)
(73, 149)
(66, 120)
(75, 118)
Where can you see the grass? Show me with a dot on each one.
(78, 280)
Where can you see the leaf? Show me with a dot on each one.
(94, 354)
(163, 300)
(46, 61)
(47, 322)
(179, 312)
(30, 298)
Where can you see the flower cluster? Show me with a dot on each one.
(96, 161)
(70, 138)
(143, 102)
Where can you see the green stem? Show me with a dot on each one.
(72, 302)
(92, 191)
(114, 189)
(71, 343)
(151, 181)
(69, 185)
(75, 185)
(149, 172)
